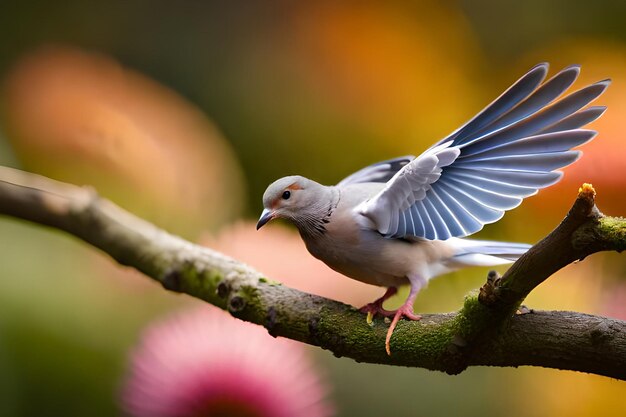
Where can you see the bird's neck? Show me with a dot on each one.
(312, 223)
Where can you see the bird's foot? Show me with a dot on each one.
(407, 311)
(376, 307)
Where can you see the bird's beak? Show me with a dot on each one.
(266, 216)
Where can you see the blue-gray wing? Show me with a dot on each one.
(378, 172)
(509, 151)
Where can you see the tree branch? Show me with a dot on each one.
(486, 331)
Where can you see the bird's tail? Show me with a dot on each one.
(469, 252)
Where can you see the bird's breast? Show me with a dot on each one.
(365, 255)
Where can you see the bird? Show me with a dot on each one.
(406, 220)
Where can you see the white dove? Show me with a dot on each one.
(402, 221)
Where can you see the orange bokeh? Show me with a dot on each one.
(378, 66)
(82, 117)
(604, 159)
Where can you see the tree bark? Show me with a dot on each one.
(486, 331)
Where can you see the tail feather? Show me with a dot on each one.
(471, 252)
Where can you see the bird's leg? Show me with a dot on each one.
(405, 309)
(377, 306)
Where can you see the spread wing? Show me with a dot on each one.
(507, 152)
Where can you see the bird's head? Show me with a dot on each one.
(294, 198)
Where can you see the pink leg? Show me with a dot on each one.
(405, 310)
(377, 306)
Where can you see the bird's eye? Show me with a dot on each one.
(286, 195)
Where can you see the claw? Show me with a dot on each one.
(407, 311)
(377, 306)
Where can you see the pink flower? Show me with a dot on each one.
(205, 363)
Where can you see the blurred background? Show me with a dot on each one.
(183, 112)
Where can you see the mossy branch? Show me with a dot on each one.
(486, 331)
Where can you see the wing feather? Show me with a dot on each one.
(507, 152)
